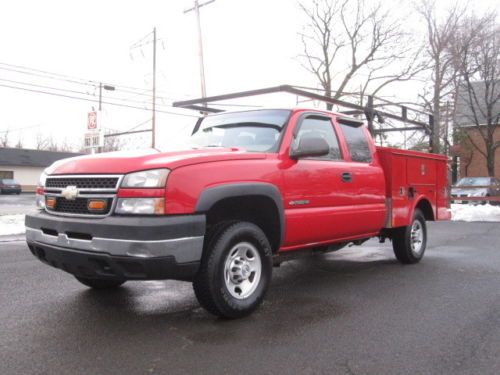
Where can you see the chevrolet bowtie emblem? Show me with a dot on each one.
(70, 192)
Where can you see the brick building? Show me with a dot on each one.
(472, 163)
(471, 120)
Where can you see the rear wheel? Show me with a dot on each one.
(235, 270)
(100, 283)
(409, 242)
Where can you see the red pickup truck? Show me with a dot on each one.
(254, 187)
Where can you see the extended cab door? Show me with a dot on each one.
(320, 197)
(368, 181)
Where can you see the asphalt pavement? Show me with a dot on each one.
(12, 204)
(356, 311)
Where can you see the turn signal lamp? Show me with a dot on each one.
(50, 202)
(96, 205)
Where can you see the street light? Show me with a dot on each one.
(105, 87)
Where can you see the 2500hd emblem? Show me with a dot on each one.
(70, 192)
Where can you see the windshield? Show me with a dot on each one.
(474, 181)
(255, 131)
(9, 182)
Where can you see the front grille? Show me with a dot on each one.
(88, 187)
(82, 182)
(78, 206)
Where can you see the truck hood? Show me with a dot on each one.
(129, 161)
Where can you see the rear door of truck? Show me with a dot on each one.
(366, 173)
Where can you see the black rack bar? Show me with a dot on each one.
(370, 110)
(203, 109)
(410, 128)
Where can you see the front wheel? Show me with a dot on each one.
(409, 242)
(235, 271)
(100, 283)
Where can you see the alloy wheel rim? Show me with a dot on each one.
(417, 237)
(242, 270)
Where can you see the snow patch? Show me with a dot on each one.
(469, 212)
(14, 224)
(11, 224)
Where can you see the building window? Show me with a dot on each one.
(6, 174)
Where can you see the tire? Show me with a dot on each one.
(100, 283)
(235, 270)
(409, 242)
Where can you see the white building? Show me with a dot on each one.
(25, 166)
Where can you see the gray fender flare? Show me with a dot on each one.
(210, 196)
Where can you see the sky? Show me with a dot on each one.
(247, 45)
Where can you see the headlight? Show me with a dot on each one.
(140, 206)
(39, 197)
(154, 178)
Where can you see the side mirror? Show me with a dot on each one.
(310, 146)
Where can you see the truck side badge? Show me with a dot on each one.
(299, 202)
(422, 169)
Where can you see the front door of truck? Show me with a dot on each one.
(319, 198)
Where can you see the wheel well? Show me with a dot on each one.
(426, 209)
(257, 209)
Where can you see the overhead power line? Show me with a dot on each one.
(93, 100)
(29, 84)
(19, 129)
(70, 79)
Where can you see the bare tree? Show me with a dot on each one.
(112, 143)
(41, 142)
(477, 57)
(4, 139)
(65, 146)
(354, 40)
(440, 34)
(19, 143)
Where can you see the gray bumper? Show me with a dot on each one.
(146, 239)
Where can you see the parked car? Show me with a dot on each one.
(256, 188)
(475, 188)
(9, 186)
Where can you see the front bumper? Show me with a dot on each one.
(142, 248)
(10, 190)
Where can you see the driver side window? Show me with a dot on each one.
(322, 127)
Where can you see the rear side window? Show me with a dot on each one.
(357, 143)
(322, 127)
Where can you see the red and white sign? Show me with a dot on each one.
(92, 121)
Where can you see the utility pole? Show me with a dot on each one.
(196, 9)
(108, 88)
(105, 87)
(141, 43)
(153, 120)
